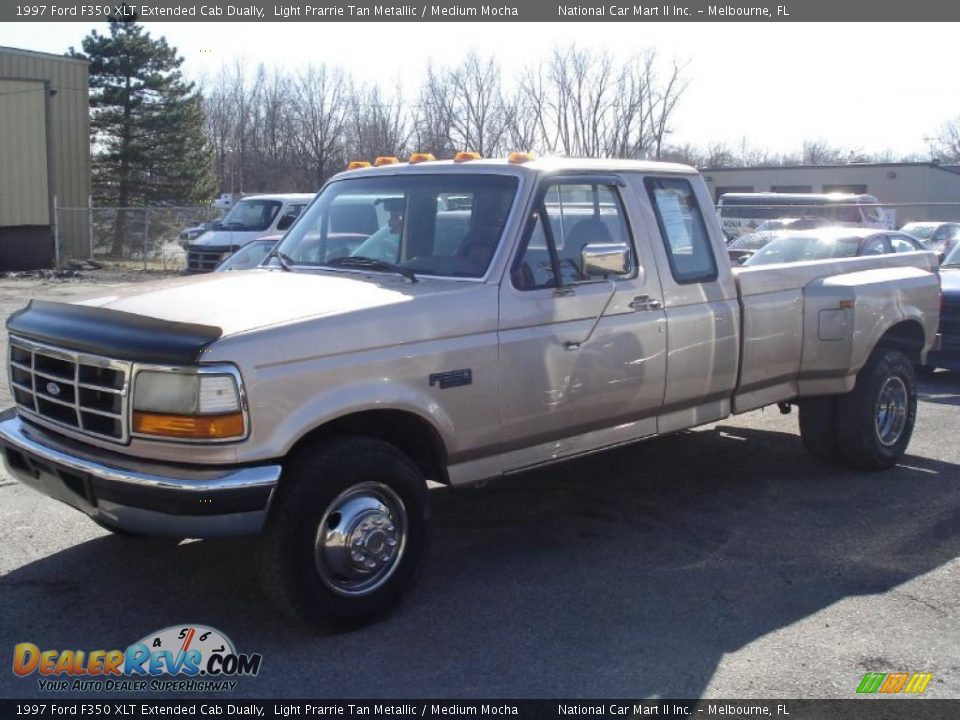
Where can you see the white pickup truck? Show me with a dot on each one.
(502, 315)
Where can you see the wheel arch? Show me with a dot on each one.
(410, 433)
(907, 336)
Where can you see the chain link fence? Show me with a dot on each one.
(147, 237)
(150, 237)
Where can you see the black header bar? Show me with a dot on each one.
(873, 708)
(858, 11)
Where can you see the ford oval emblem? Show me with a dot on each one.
(53, 389)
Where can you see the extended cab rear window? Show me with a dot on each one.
(683, 230)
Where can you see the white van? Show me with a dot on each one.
(249, 219)
(742, 213)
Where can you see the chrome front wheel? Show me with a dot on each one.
(347, 532)
(361, 539)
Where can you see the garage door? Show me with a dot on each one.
(23, 154)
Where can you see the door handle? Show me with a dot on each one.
(645, 302)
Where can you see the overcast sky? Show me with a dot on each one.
(866, 86)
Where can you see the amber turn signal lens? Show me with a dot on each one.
(196, 427)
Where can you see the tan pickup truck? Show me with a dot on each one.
(454, 322)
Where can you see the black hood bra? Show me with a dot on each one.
(112, 333)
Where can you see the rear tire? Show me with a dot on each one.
(347, 533)
(875, 420)
(818, 428)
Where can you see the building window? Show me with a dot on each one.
(791, 188)
(730, 189)
(855, 189)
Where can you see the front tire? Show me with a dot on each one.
(875, 420)
(347, 533)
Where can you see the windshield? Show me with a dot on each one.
(953, 257)
(445, 224)
(921, 232)
(798, 249)
(249, 256)
(751, 241)
(250, 215)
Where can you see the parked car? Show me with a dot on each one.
(311, 401)
(249, 219)
(188, 235)
(793, 223)
(250, 255)
(831, 243)
(941, 237)
(742, 248)
(948, 356)
(744, 212)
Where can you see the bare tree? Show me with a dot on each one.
(945, 144)
(820, 152)
(478, 120)
(433, 122)
(321, 102)
(380, 124)
(274, 130)
(581, 102)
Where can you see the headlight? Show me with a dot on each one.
(188, 405)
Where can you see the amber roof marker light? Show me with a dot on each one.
(421, 157)
(385, 160)
(516, 158)
(357, 164)
(466, 156)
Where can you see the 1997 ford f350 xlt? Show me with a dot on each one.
(494, 316)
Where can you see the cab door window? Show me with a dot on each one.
(900, 244)
(567, 219)
(683, 230)
(875, 246)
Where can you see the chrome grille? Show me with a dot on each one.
(86, 393)
(201, 259)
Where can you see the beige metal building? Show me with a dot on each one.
(44, 158)
(935, 187)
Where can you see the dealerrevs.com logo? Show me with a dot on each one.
(180, 658)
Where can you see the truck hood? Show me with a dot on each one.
(228, 238)
(240, 302)
(181, 320)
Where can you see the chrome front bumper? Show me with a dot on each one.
(139, 497)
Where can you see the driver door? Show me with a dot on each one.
(582, 359)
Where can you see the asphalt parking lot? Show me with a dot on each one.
(721, 562)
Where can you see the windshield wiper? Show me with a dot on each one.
(368, 263)
(950, 265)
(285, 260)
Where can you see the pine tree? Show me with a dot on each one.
(146, 124)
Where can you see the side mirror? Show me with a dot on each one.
(602, 260)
